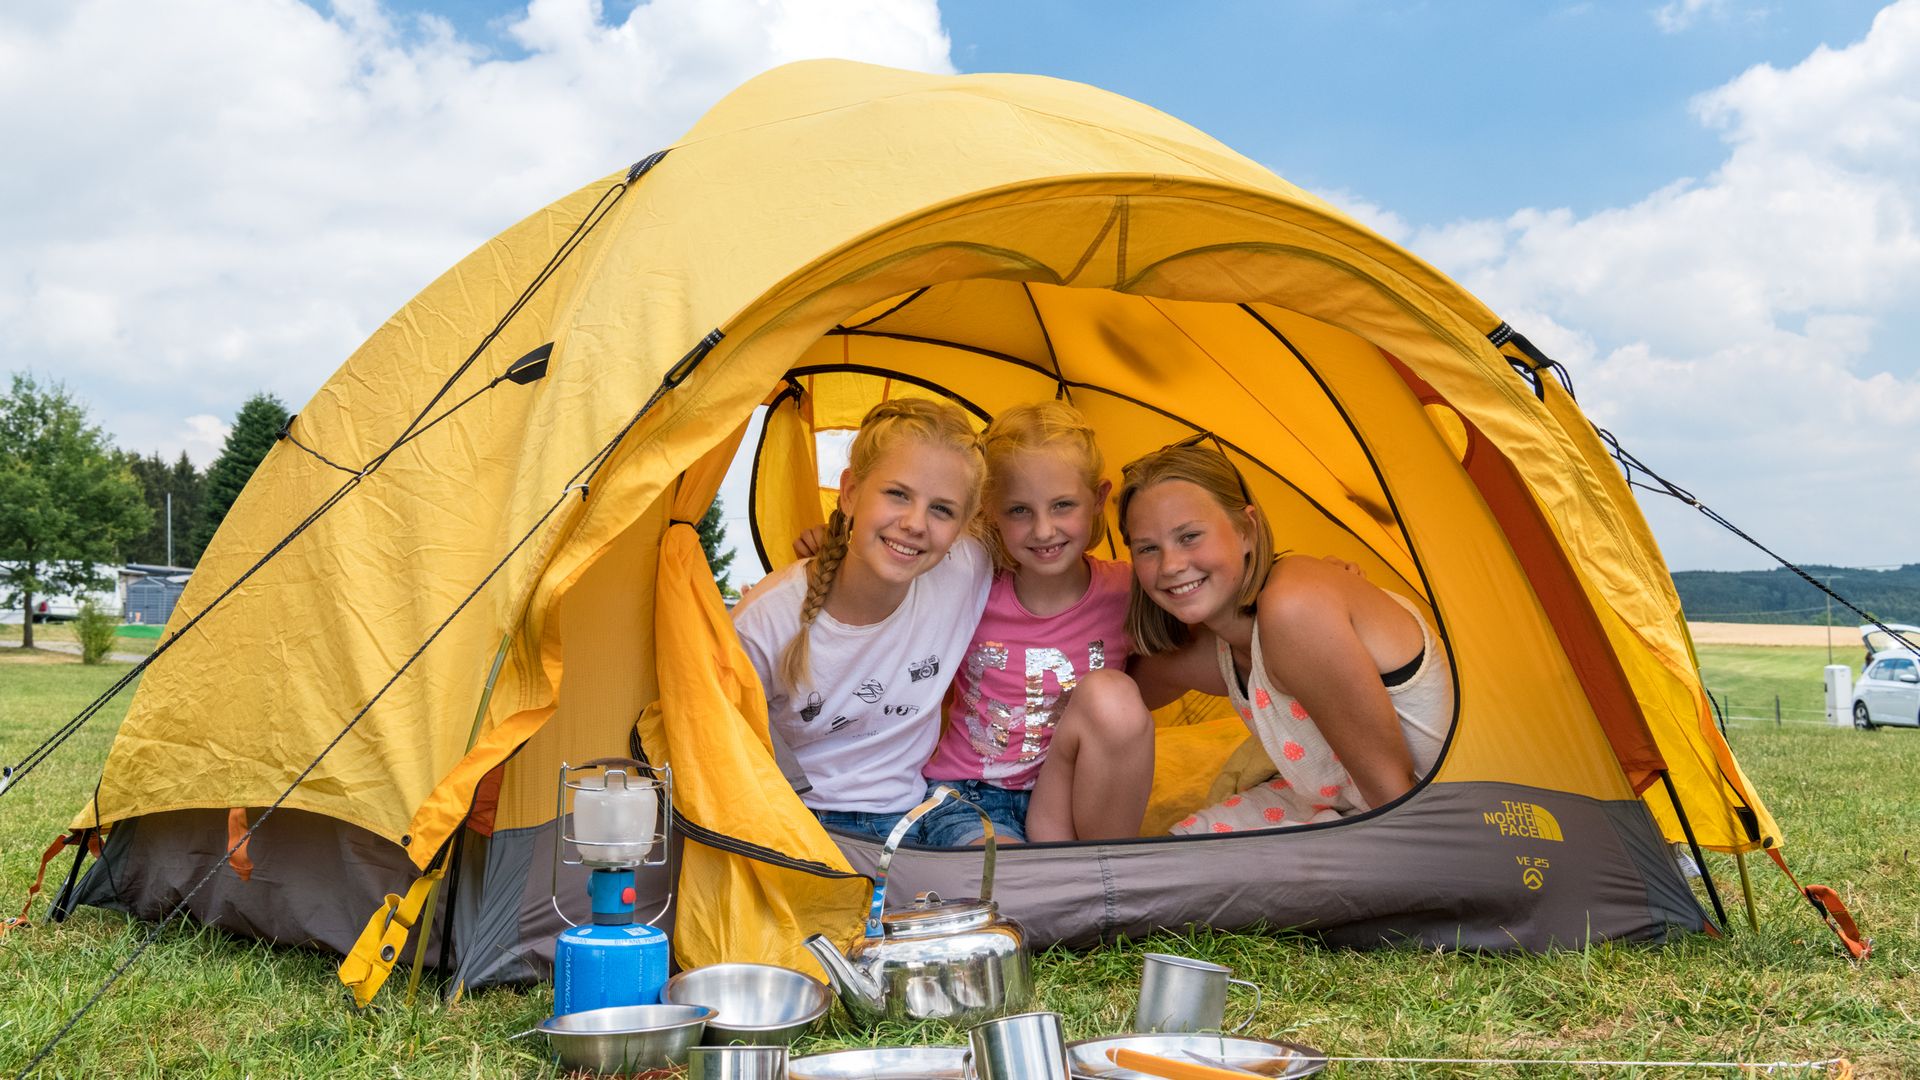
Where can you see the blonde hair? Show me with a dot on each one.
(1153, 628)
(932, 422)
(1036, 426)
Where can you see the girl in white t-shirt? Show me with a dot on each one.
(855, 646)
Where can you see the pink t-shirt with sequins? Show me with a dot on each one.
(1009, 691)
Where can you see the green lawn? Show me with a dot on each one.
(1747, 679)
(135, 639)
(202, 1003)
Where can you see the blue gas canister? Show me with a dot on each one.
(598, 967)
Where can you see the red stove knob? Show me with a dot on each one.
(627, 895)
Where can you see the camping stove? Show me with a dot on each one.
(621, 819)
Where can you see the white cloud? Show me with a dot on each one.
(203, 437)
(227, 196)
(1732, 329)
(1679, 15)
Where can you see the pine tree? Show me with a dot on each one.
(189, 487)
(713, 539)
(150, 546)
(255, 429)
(159, 480)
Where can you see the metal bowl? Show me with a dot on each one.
(626, 1038)
(1262, 1057)
(757, 1004)
(883, 1063)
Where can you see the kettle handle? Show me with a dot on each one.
(899, 833)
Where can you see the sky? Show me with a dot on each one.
(1708, 210)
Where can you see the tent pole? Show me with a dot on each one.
(420, 947)
(446, 969)
(1699, 857)
(62, 905)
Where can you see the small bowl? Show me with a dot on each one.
(626, 1038)
(757, 1004)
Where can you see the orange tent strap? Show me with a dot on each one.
(237, 841)
(53, 851)
(1833, 911)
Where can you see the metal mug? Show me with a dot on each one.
(737, 1063)
(1181, 994)
(1026, 1046)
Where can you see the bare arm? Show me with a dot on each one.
(1320, 629)
(1163, 677)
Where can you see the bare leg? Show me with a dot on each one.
(1099, 767)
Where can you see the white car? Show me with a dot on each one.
(1888, 692)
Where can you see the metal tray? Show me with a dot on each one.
(1264, 1057)
(883, 1063)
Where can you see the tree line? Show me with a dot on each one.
(70, 499)
(1782, 596)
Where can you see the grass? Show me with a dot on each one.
(1747, 680)
(204, 1003)
(133, 639)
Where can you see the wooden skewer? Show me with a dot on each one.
(1170, 1069)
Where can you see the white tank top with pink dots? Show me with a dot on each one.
(1311, 784)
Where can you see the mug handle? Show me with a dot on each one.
(1251, 1013)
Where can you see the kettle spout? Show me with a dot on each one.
(858, 991)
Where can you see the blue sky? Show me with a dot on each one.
(1709, 209)
(1404, 103)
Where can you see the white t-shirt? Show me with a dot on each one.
(865, 728)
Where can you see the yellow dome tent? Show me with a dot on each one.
(486, 578)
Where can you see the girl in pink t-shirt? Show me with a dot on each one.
(1045, 731)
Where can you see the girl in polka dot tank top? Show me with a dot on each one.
(1344, 684)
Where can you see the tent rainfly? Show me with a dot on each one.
(494, 578)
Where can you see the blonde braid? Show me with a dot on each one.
(820, 574)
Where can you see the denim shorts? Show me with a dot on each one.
(870, 824)
(955, 824)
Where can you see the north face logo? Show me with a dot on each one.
(1524, 819)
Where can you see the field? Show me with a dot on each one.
(202, 1003)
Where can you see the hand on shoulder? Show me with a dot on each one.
(1304, 579)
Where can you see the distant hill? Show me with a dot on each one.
(1780, 596)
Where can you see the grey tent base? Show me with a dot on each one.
(1460, 865)
(316, 881)
(1457, 866)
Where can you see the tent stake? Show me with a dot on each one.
(1746, 891)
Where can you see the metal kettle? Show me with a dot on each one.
(954, 960)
